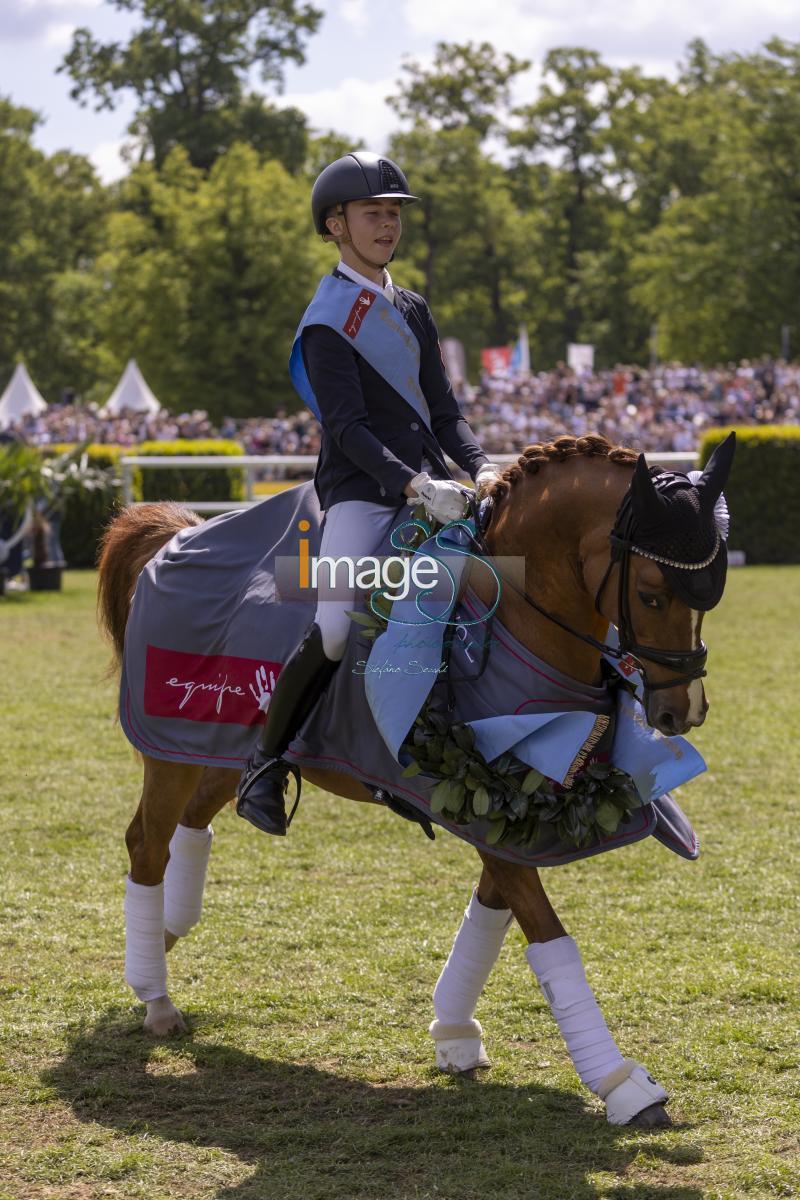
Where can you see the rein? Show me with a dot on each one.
(688, 664)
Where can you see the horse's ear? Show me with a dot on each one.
(715, 475)
(647, 503)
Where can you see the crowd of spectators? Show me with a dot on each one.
(662, 409)
(70, 423)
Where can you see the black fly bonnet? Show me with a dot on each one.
(679, 522)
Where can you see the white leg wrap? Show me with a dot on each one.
(145, 957)
(559, 970)
(185, 878)
(628, 1090)
(477, 944)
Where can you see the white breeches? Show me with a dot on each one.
(352, 528)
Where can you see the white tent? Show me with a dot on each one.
(131, 393)
(20, 398)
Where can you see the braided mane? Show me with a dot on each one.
(593, 445)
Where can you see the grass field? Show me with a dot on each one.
(308, 984)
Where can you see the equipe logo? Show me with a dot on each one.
(358, 312)
(221, 688)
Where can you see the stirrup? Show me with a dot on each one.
(254, 776)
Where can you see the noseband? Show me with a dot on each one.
(687, 664)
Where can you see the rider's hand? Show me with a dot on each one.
(444, 499)
(487, 475)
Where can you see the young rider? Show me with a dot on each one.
(388, 415)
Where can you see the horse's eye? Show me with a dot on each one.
(650, 600)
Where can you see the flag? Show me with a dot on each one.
(521, 355)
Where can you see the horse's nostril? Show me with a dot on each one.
(667, 723)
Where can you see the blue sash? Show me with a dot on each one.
(548, 741)
(375, 328)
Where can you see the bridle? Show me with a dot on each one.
(687, 664)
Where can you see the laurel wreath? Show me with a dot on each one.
(521, 804)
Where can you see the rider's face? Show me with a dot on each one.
(374, 226)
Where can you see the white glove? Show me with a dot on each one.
(444, 499)
(486, 475)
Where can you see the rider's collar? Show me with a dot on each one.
(357, 277)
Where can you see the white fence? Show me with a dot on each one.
(276, 465)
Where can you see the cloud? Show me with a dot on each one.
(652, 33)
(42, 20)
(107, 159)
(354, 13)
(58, 35)
(354, 107)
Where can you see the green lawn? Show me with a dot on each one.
(308, 985)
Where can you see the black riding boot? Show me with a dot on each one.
(265, 779)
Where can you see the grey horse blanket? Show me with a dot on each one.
(215, 615)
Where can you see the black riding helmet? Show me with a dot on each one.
(357, 176)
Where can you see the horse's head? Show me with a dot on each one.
(669, 544)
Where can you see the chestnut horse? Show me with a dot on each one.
(556, 507)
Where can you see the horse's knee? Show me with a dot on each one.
(216, 787)
(489, 894)
(148, 858)
(134, 835)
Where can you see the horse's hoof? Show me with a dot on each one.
(472, 1072)
(169, 940)
(163, 1018)
(655, 1116)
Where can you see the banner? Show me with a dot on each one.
(496, 360)
(580, 357)
(455, 362)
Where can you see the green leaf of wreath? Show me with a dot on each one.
(607, 816)
(481, 802)
(440, 796)
(365, 619)
(495, 832)
(531, 781)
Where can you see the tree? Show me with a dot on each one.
(721, 271)
(205, 278)
(52, 218)
(188, 65)
(567, 123)
(472, 253)
(467, 85)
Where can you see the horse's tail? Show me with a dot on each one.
(130, 541)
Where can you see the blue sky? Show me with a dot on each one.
(355, 58)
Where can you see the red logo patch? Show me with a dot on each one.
(221, 688)
(627, 665)
(359, 310)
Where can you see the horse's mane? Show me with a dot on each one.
(593, 445)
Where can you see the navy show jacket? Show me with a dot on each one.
(373, 441)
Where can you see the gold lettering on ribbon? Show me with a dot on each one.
(600, 726)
